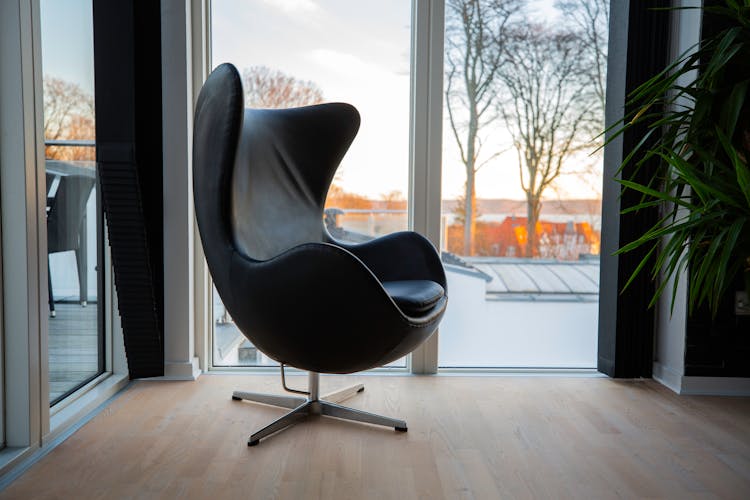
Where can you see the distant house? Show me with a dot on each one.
(557, 240)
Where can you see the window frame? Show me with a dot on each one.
(425, 171)
(425, 165)
(29, 424)
(2, 356)
(21, 304)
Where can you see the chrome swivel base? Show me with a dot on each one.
(313, 405)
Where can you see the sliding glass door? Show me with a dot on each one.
(74, 238)
(523, 86)
(2, 363)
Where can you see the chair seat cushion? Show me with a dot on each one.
(414, 297)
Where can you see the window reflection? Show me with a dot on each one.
(75, 340)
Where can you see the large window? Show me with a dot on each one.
(296, 53)
(49, 363)
(75, 341)
(523, 105)
(521, 211)
(2, 371)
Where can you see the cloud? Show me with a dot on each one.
(347, 64)
(293, 6)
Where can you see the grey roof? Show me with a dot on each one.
(511, 276)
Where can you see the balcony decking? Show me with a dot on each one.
(73, 347)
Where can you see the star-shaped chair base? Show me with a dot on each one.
(314, 405)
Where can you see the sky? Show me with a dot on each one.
(355, 51)
(358, 52)
(67, 32)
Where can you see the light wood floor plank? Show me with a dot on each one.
(469, 437)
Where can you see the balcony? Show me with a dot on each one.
(74, 338)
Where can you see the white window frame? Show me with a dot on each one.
(2, 356)
(425, 163)
(426, 144)
(19, 104)
(30, 425)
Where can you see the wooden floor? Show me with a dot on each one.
(469, 437)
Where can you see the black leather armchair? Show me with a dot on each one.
(304, 299)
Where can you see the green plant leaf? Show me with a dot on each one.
(723, 53)
(662, 196)
(688, 165)
(733, 107)
(640, 266)
(742, 172)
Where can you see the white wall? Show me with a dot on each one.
(669, 348)
(180, 361)
(515, 333)
(671, 324)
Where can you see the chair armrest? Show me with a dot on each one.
(405, 255)
(308, 278)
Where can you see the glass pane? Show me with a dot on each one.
(73, 236)
(521, 213)
(304, 52)
(2, 370)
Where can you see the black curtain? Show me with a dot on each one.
(626, 348)
(127, 67)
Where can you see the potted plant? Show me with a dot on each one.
(702, 182)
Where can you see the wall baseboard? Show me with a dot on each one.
(183, 370)
(715, 386)
(667, 377)
(700, 386)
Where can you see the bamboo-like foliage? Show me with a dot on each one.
(702, 182)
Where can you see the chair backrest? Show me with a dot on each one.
(285, 163)
(261, 175)
(67, 208)
(216, 129)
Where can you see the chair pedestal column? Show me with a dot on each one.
(313, 405)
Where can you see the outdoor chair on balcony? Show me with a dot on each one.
(301, 297)
(67, 196)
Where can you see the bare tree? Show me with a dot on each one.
(63, 101)
(271, 88)
(460, 213)
(69, 115)
(550, 110)
(476, 32)
(394, 200)
(591, 19)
